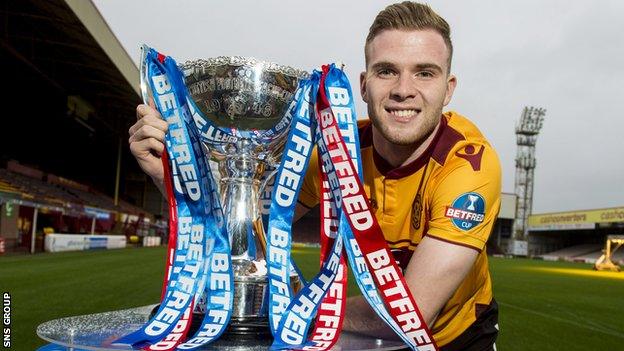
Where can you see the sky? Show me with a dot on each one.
(564, 56)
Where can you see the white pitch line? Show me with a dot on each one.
(563, 320)
(594, 323)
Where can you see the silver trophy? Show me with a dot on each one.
(243, 105)
(245, 101)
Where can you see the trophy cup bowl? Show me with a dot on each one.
(241, 111)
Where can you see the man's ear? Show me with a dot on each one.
(363, 87)
(451, 83)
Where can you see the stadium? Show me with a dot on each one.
(70, 190)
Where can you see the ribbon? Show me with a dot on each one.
(325, 295)
(287, 184)
(201, 260)
(346, 185)
(177, 335)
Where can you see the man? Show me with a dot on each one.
(432, 178)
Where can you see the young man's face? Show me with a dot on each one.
(406, 84)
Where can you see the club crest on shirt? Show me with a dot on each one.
(416, 211)
(467, 211)
(373, 203)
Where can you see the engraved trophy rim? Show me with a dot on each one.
(217, 61)
(196, 70)
(239, 61)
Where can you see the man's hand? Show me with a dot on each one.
(360, 318)
(147, 143)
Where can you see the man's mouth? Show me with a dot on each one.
(403, 113)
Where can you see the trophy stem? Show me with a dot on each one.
(243, 117)
(240, 203)
(239, 189)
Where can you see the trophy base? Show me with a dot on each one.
(97, 332)
(243, 329)
(256, 329)
(240, 329)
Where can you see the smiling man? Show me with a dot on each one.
(432, 178)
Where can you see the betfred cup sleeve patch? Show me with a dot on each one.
(467, 211)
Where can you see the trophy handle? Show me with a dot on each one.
(146, 92)
(266, 180)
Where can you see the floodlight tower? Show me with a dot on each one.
(527, 130)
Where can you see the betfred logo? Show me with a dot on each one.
(467, 211)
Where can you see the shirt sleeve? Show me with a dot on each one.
(466, 200)
(309, 194)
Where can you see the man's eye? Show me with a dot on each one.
(425, 74)
(385, 72)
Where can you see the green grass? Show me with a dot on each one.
(543, 305)
(572, 308)
(49, 286)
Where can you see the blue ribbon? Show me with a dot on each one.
(287, 185)
(202, 256)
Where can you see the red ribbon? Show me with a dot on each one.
(385, 272)
(178, 334)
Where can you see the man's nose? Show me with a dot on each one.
(404, 88)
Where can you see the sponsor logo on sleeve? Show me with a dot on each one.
(474, 158)
(467, 211)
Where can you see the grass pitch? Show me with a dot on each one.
(543, 305)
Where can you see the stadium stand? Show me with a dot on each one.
(66, 206)
(591, 257)
(72, 97)
(576, 253)
(21, 182)
(617, 257)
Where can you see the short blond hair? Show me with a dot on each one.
(409, 15)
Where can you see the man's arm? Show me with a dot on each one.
(433, 274)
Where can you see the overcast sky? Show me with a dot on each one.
(564, 56)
